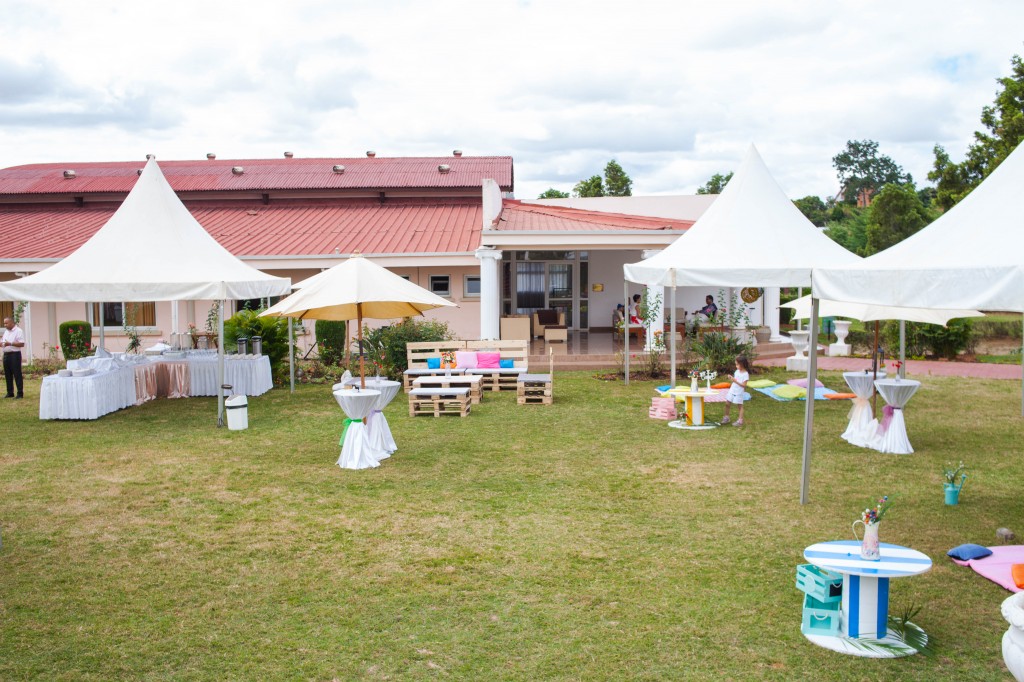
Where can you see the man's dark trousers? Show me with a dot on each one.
(12, 372)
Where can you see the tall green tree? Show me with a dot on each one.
(1004, 131)
(591, 187)
(847, 226)
(616, 182)
(552, 193)
(716, 184)
(814, 209)
(895, 214)
(860, 168)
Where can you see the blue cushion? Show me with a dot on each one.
(968, 552)
(506, 364)
(433, 363)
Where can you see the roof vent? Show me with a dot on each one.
(237, 170)
(211, 156)
(339, 169)
(443, 168)
(288, 155)
(138, 172)
(371, 153)
(150, 157)
(457, 153)
(69, 174)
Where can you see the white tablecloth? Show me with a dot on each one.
(892, 438)
(356, 451)
(378, 432)
(860, 430)
(247, 375)
(88, 397)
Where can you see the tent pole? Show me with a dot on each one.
(291, 356)
(812, 377)
(102, 324)
(625, 331)
(220, 363)
(874, 371)
(903, 349)
(672, 330)
(1022, 372)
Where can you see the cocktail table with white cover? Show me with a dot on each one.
(378, 433)
(865, 605)
(860, 430)
(356, 451)
(891, 435)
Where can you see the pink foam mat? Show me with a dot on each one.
(996, 566)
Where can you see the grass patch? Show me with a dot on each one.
(576, 541)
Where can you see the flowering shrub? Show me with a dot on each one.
(75, 339)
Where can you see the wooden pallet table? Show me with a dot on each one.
(438, 401)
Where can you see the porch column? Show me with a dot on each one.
(490, 292)
(26, 324)
(51, 325)
(656, 304)
(772, 299)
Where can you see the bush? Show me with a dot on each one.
(386, 345)
(274, 331)
(984, 327)
(717, 351)
(921, 339)
(75, 339)
(330, 339)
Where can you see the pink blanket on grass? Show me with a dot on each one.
(996, 566)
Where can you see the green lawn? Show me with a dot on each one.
(579, 541)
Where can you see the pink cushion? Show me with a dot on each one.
(802, 383)
(466, 359)
(488, 360)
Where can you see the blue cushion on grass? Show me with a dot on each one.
(968, 551)
(433, 363)
(507, 364)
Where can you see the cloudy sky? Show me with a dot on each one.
(675, 91)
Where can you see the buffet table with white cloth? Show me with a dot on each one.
(356, 451)
(891, 434)
(861, 429)
(99, 386)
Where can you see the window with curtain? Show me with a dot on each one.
(529, 287)
(6, 309)
(114, 314)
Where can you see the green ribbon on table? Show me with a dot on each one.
(345, 430)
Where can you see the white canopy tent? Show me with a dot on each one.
(151, 249)
(866, 312)
(752, 235)
(970, 257)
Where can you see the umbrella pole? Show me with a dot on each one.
(672, 327)
(874, 372)
(220, 363)
(362, 364)
(291, 356)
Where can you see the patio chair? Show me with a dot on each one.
(537, 389)
(545, 318)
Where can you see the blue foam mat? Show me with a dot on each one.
(819, 393)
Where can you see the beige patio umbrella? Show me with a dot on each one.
(355, 290)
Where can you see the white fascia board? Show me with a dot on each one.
(626, 240)
(388, 260)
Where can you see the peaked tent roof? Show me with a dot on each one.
(970, 257)
(751, 235)
(867, 312)
(151, 249)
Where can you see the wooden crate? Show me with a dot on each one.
(825, 586)
(438, 401)
(535, 391)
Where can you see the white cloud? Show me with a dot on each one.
(675, 91)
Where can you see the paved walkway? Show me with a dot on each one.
(915, 368)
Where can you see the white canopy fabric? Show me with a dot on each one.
(357, 288)
(970, 257)
(151, 249)
(867, 313)
(752, 235)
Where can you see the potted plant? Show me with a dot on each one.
(951, 485)
(762, 334)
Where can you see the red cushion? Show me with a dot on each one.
(486, 360)
(1017, 573)
(724, 384)
(840, 396)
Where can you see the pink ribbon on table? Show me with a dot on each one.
(887, 413)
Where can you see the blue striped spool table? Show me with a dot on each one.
(865, 607)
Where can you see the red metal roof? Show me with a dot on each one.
(378, 173)
(517, 216)
(281, 228)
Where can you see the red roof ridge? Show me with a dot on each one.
(604, 217)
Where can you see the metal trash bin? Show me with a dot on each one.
(237, 407)
(256, 343)
(243, 345)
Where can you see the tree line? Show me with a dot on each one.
(879, 204)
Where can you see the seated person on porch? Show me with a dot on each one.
(709, 310)
(619, 316)
(634, 310)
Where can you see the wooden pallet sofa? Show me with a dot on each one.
(513, 353)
